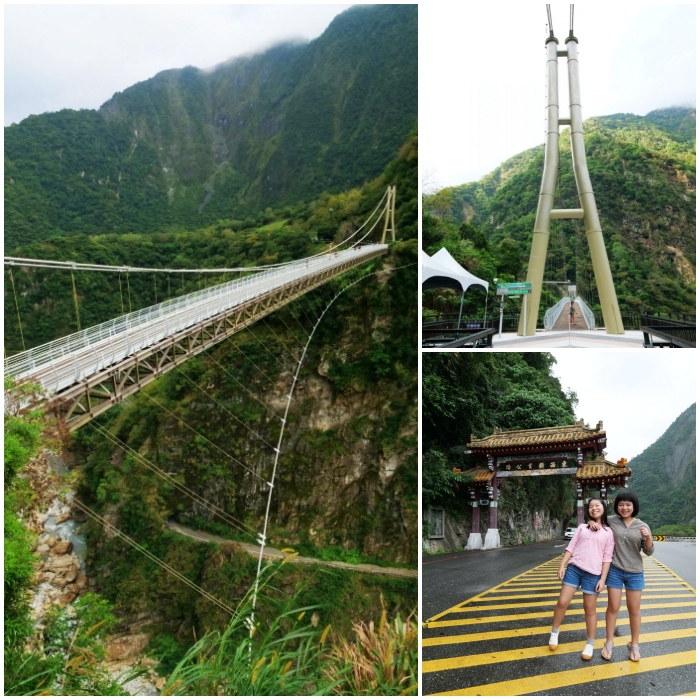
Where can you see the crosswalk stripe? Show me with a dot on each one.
(554, 594)
(534, 604)
(544, 650)
(557, 587)
(548, 681)
(527, 631)
(544, 613)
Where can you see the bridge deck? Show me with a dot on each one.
(73, 359)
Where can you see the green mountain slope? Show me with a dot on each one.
(663, 476)
(189, 147)
(643, 175)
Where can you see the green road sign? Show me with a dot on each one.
(514, 288)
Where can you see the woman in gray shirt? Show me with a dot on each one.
(632, 537)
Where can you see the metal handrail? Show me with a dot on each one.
(588, 315)
(108, 342)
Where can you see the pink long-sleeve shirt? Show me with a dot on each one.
(590, 549)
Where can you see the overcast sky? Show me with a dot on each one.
(78, 56)
(637, 395)
(482, 75)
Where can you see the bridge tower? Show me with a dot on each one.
(588, 211)
(389, 224)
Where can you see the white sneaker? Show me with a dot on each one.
(553, 640)
(587, 652)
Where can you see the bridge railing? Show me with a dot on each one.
(174, 315)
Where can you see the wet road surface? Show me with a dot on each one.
(494, 640)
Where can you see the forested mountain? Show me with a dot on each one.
(643, 175)
(663, 476)
(189, 147)
(467, 394)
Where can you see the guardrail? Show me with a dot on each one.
(671, 538)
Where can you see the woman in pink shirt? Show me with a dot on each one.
(588, 557)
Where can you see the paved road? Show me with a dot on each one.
(272, 553)
(494, 640)
(449, 579)
(678, 556)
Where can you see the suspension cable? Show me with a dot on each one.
(19, 319)
(549, 20)
(153, 557)
(75, 300)
(194, 430)
(220, 405)
(90, 267)
(571, 20)
(229, 519)
(243, 386)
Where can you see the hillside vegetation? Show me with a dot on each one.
(663, 476)
(190, 147)
(643, 175)
(467, 394)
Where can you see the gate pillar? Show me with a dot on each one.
(475, 534)
(579, 503)
(493, 539)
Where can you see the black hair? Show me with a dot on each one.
(626, 495)
(604, 517)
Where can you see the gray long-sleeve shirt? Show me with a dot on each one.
(629, 544)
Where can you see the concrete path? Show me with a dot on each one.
(272, 553)
(545, 340)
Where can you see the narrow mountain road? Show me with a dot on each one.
(272, 553)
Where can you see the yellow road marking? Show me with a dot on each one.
(533, 652)
(675, 575)
(527, 631)
(449, 610)
(529, 616)
(555, 594)
(557, 587)
(681, 694)
(536, 684)
(534, 604)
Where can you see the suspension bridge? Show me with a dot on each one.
(88, 372)
(84, 374)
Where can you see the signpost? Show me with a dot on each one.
(512, 289)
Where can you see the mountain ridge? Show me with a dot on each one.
(188, 146)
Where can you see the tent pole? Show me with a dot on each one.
(486, 303)
(459, 320)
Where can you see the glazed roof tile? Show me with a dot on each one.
(538, 436)
(600, 467)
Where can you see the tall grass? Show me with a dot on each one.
(381, 660)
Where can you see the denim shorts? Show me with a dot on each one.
(617, 577)
(576, 577)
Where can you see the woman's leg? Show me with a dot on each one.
(633, 599)
(565, 597)
(589, 603)
(614, 600)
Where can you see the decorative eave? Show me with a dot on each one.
(600, 469)
(475, 476)
(523, 441)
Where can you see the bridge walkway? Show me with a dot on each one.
(87, 372)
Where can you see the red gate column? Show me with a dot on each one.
(475, 535)
(493, 539)
(579, 503)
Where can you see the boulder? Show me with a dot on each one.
(63, 547)
(51, 541)
(62, 518)
(67, 598)
(126, 647)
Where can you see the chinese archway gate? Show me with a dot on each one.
(573, 450)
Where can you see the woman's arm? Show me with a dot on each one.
(562, 566)
(647, 542)
(604, 574)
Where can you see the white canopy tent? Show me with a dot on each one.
(442, 270)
